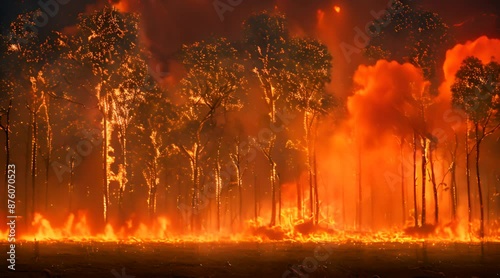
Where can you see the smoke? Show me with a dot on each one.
(384, 101)
(484, 48)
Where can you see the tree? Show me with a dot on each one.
(213, 79)
(477, 91)
(309, 69)
(265, 38)
(106, 40)
(156, 121)
(131, 92)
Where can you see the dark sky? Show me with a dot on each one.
(188, 20)
(167, 24)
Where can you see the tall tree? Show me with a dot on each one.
(126, 99)
(265, 39)
(106, 40)
(477, 91)
(309, 68)
(214, 78)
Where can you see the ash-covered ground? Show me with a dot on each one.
(87, 259)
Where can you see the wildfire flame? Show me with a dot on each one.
(77, 229)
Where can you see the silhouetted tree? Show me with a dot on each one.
(476, 91)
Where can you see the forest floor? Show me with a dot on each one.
(283, 259)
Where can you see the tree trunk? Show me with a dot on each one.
(105, 162)
(467, 173)
(278, 182)
(403, 199)
(316, 197)
(479, 189)
(415, 179)
(194, 214)
(6, 130)
(27, 164)
(34, 149)
(454, 181)
(70, 186)
(49, 153)
(434, 188)
(299, 198)
(123, 174)
(360, 192)
(255, 192)
(273, 190)
(218, 186)
(424, 168)
(240, 192)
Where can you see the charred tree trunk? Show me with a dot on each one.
(49, 151)
(236, 158)
(256, 199)
(278, 182)
(194, 214)
(299, 198)
(434, 188)
(467, 173)
(403, 199)
(453, 186)
(273, 190)
(218, 185)
(71, 185)
(6, 130)
(47, 167)
(105, 162)
(309, 165)
(26, 175)
(34, 149)
(240, 195)
(478, 176)
(415, 179)
(360, 192)
(424, 172)
(316, 197)
(123, 172)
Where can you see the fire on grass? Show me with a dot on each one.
(78, 229)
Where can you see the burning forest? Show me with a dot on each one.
(207, 137)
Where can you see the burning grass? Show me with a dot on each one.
(77, 229)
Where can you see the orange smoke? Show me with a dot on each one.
(383, 100)
(484, 48)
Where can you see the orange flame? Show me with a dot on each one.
(77, 229)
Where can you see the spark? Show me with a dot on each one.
(337, 9)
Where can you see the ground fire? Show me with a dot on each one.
(206, 137)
